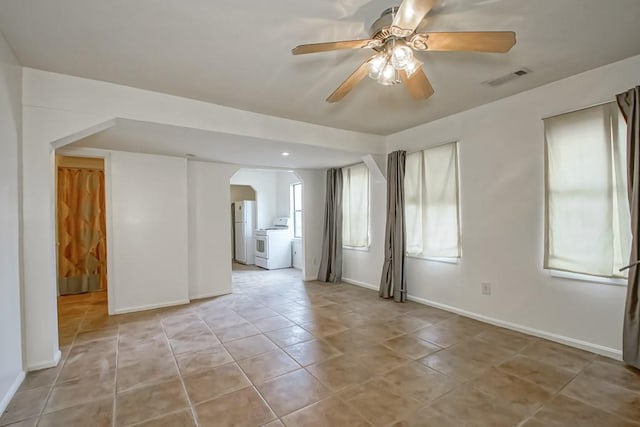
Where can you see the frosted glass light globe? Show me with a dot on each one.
(376, 65)
(388, 75)
(401, 57)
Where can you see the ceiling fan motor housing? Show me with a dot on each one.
(379, 30)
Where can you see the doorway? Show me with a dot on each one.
(81, 234)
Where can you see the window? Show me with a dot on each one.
(355, 206)
(431, 203)
(296, 191)
(587, 211)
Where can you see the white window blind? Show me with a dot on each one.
(587, 211)
(431, 202)
(355, 206)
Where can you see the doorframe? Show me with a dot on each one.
(106, 157)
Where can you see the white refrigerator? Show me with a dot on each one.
(244, 217)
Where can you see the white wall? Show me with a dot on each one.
(58, 109)
(11, 373)
(313, 198)
(209, 229)
(150, 236)
(264, 182)
(502, 194)
(283, 193)
(365, 266)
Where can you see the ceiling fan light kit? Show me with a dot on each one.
(393, 36)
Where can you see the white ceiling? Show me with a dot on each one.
(236, 53)
(153, 138)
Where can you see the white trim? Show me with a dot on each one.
(445, 260)
(46, 364)
(211, 295)
(588, 277)
(356, 248)
(151, 306)
(572, 342)
(15, 385)
(359, 283)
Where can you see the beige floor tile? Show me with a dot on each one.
(366, 356)
(211, 384)
(200, 361)
(241, 408)
(182, 418)
(605, 395)
(467, 406)
(273, 323)
(564, 411)
(411, 346)
(81, 391)
(419, 382)
(425, 417)
(43, 377)
(199, 342)
(30, 422)
(248, 347)
(340, 372)
(257, 313)
(146, 372)
(97, 335)
(378, 403)
(25, 404)
(292, 391)
(614, 373)
(523, 396)
(330, 412)
(549, 377)
(289, 336)
(559, 355)
(378, 359)
(95, 414)
(505, 338)
(460, 367)
(313, 351)
(350, 341)
(324, 327)
(267, 365)
(444, 335)
(236, 332)
(141, 404)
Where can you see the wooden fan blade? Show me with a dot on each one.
(475, 41)
(360, 73)
(325, 47)
(418, 84)
(409, 15)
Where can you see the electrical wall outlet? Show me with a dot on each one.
(486, 288)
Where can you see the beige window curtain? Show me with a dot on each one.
(355, 206)
(431, 202)
(82, 246)
(587, 210)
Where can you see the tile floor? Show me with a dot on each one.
(283, 352)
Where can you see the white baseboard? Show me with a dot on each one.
(150, 306)
(572, 342)
(359, 283)
(211, 295)
(15, 385)
(45, 364)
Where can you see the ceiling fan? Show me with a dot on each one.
(394, 38)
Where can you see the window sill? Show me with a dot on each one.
(356, 248)
(436, 259)
(588, 278)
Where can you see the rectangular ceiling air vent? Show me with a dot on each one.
(507, 78)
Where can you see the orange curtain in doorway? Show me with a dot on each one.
(82, 243)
